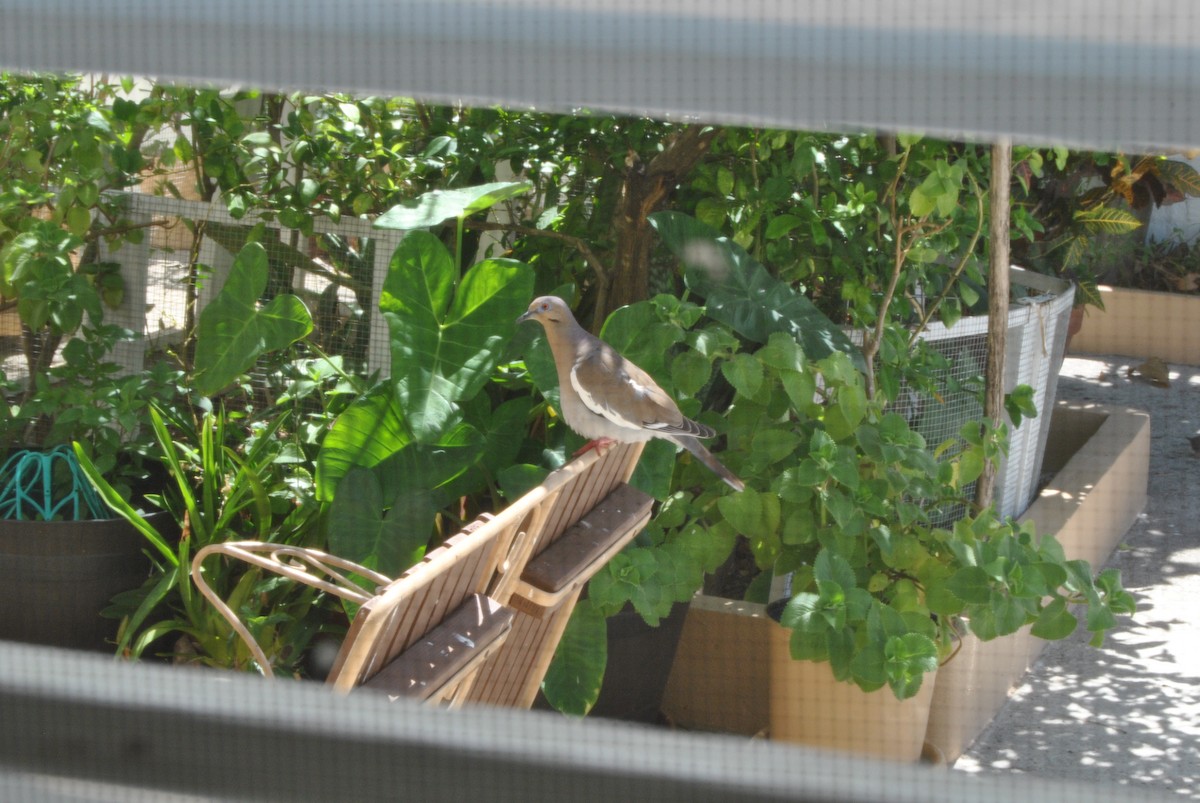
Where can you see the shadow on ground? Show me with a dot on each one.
(1129, 712)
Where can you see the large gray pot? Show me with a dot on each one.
(56, 577)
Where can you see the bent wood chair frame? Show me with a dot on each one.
(430, 633)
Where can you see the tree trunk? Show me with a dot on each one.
(645, 189)
(998, 290)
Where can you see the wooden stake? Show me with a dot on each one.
(998, 292)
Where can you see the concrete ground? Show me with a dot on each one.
(1129, 712)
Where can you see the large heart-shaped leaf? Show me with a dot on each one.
(435, 206)
(234, 331)
(386, 539)
(368, 432)
(430, 466)
(740, 292)
(641, 336)
(445, 341)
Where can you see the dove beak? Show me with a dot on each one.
(525, 316)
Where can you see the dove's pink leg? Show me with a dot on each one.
(601, 445)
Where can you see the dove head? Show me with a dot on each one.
(551, 312)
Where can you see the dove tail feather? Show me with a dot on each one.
(706, 457)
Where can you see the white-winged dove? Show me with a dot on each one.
(607, 398)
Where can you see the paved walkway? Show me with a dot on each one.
(1128, 713)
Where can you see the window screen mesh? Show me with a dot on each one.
(1108, 464)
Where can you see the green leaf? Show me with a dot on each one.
(808, 473)
(806, 646)
(504, 433)
(869, 667)
(1009, 613)
(690, 371)
(773, 445)
(366, 433)
(573, 681)
(515, 481)
(745, 374)
(842, 649)
(802, 612)
(741, 293)
(920, 202)
(420, 466)
(800, 387)
(79, 220)
(751, 513)
(433, 207)
(445, 343)
(655, 468)
(782, 353)
(709, 546)
(852, 401)
(970, 467)
(388, 540)
(117, 503)
(971, 584)
(639, 334)
(1099, 617)
(780, 226)
(909, 658)
(233, 331)
(1107, 220)
(831, 566)
(1054, 622)
(1020, 404)
(1181, 174)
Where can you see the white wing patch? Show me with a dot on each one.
(598, 407)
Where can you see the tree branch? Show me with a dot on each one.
(589, 256)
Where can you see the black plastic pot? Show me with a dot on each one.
(56, 577)
(639, 664)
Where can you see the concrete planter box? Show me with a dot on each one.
(733, 673)
(1100, 457)
(808, 706)
(1140, 323)
(724, 669)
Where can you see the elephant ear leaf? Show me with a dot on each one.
(435, 206)
(446, 334)
(386, 535)
(234, 330)
(741, 292)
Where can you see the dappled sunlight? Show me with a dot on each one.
(1131, 708)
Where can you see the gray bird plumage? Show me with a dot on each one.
(605, 397)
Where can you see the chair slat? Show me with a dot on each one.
(430, 664)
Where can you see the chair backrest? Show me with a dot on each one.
(463, 588)
(513, 675)
(402, 612)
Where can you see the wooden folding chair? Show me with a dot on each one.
(429, 633)
(585, 513)
(422, 635)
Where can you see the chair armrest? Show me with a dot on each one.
(447, 652)
(584, 548)
(308, 566)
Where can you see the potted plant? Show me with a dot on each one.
(842, 497)
(1081, 215)
(845, 498)
(67, 144)
(61, 563)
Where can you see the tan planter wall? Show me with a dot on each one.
(721, 671)
(1102, 457)
(1139, 323)
(809, 707)
(721, 677)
